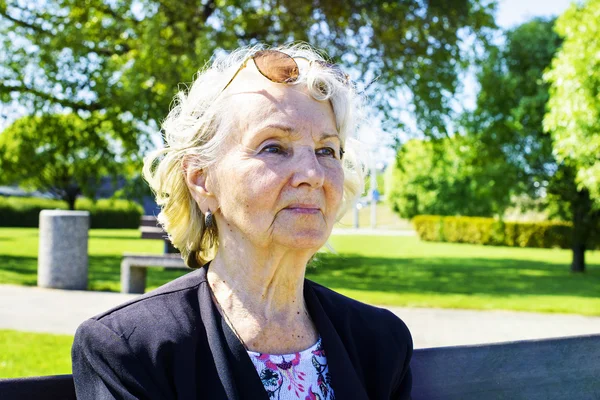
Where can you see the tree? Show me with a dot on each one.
(509, 133)
(440, 178)
(507, 120)
(123, 59)
(573, 116)
(62, 154)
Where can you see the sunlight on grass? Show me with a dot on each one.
(387, 270)
(34, 354)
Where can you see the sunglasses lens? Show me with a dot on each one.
(276, 66)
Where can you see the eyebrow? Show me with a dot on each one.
(289, 130)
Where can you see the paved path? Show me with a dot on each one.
(61, 311)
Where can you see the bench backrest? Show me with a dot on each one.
(152, 230)
(564, 368)
(57, 387)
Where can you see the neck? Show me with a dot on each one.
(261, 295)
(271, 286)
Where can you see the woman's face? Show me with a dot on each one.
(279, 180)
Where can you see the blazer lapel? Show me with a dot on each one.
(236, 371)
(345, 382)
(216, 341)
(246, 378)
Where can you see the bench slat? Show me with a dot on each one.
(550, 369)
(148, 220)
(563, 368)
(154, 235)
(57, 387)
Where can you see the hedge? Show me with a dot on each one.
(104, 213)
(489, 231)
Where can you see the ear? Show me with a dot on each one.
(197, 181)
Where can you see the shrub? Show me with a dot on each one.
(104, 213)
(24, 211)
(489, 231)
(112, 213)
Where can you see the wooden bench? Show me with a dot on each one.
(135, 266)
(548, 369)
(151, 230)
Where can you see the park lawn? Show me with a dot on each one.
(385, 270)
(34, 354)
(404, 271)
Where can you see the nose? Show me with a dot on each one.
(307, 169)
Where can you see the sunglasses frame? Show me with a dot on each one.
(344, 76)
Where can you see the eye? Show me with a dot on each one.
(273, 149)
(326, 152)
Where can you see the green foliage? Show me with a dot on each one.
(112, 213)
(25, 212)
(63, 154)
(124, 59)
(573, 116)
(490, 231)
(506, 125)
(104, 213)
(509, 133)
(440, 178)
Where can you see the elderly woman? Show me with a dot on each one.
(250, 183)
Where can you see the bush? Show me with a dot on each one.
(489, 231)
(112, 213)
(24, 211)
(104, 214)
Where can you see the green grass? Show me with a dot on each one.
(19, 249)
(34, 354)
(385, 270)
(405, 271)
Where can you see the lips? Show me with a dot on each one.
(304, 208)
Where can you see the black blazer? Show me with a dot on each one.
(172, 343)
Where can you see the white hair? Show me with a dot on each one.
(197, 125)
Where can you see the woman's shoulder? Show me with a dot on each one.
(174, 304)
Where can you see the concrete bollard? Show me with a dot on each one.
(63, 249)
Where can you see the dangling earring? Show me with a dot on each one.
(209, 220)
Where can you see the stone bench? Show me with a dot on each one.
(135, 266)
(548, 369)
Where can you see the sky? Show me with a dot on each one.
(514, 12)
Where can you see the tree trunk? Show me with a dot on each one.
(582, 207)
(71, 202)
(578, 264)
(70, 195)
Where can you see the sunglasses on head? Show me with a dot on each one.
(280, 67)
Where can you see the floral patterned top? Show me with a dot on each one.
(303, 375)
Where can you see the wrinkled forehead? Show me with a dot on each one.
(253, 100)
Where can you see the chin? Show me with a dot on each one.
(306, 240)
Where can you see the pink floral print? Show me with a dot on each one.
(303, 375)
